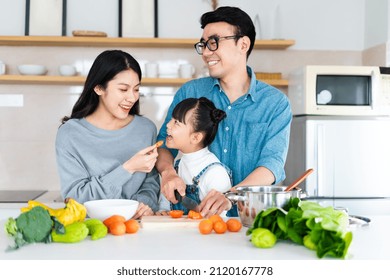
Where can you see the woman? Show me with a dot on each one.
(105, 149)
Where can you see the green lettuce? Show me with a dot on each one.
(307, 223)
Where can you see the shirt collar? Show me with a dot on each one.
(252, 86)
(195, 155)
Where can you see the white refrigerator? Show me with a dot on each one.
(351, 161)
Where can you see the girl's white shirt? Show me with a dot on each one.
(216, 177)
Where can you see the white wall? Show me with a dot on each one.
(315, 25)
(377, 22)
(12, 15)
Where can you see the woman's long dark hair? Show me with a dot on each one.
(105, 67)
(205, 118)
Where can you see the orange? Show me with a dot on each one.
(215, 218)
(117, 228)
(220, 227)
(205, 226)
(132, 226)
(233, 225)
(176, 213)
(113, 218)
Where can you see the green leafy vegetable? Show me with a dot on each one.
(30, 227)
(263, 238)
(307, 223)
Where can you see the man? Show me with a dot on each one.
(253, 139)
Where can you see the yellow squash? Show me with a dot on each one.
(72, 212)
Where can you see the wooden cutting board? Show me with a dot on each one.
(159, 222)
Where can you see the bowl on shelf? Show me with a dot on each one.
(32, 69)
(105, 208)
(67, 70)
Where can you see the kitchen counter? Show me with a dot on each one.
(186, 243)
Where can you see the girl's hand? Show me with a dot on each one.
(143, 161)
(170, 182)
(143, 210)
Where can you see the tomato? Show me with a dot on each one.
(215, 218)
(194, 215)
(176, 213)
(114, 218)
(233, 225)
(159, 143)
(220, 227)
(117, 228)
(205, 226)
(132, 226)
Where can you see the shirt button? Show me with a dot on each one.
(229, 107)
(227, 128)
(225, 150)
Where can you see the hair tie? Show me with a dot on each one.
(217, 115)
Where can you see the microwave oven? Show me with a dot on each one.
(340, 90)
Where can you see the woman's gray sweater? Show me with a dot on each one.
(90, 161)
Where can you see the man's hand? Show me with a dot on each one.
(214, 202)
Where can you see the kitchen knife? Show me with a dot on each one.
(187, 202)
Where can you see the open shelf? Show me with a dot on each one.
(79, 80)
(123, 42)
(76, 41)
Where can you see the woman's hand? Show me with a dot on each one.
(143, 210)
(143, 161)
(214, 202)
(170, 182)
(162, 213)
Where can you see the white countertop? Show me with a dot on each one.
(186, 243)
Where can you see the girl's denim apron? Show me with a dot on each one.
(192, 191)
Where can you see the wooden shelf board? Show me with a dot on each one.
(276, 83)
(79, 80)
(122, 42)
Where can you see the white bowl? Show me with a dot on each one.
(32, 69)
(67, 70)
(105, 208)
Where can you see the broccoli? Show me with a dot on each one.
(30, 227)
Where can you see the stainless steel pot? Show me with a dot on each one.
(253, 199)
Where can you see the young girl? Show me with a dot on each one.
(105, 149)
(192, 128)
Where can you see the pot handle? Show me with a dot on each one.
(233, 196)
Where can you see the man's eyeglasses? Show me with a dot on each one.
(212, 43)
